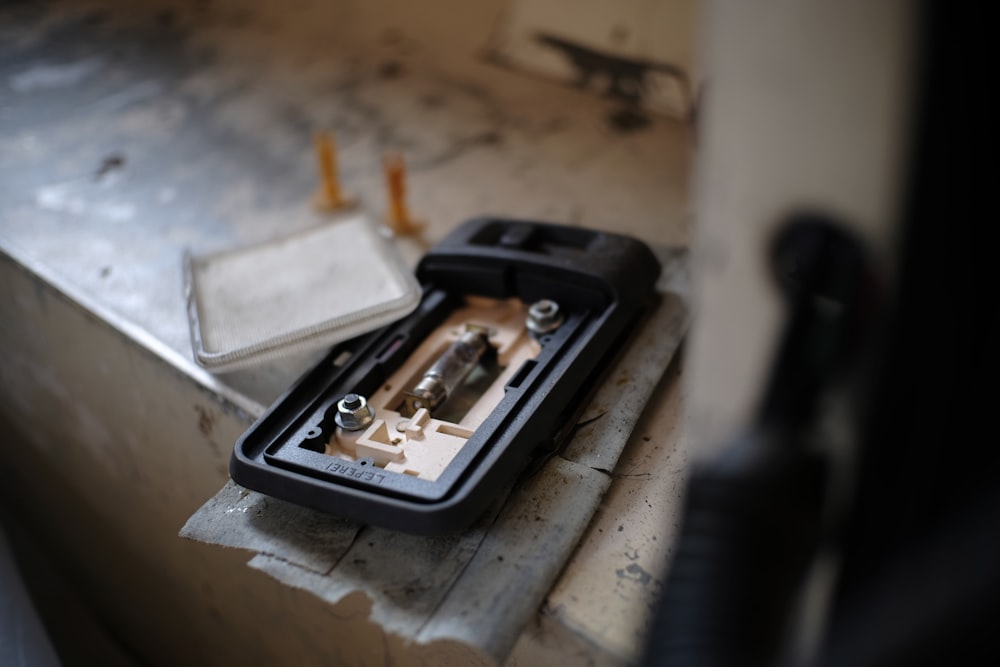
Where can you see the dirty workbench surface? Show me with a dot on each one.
(131, 132)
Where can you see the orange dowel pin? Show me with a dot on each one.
(395, 178)
(329, 197)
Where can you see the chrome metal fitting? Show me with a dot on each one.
(354, 413)
(544, 316)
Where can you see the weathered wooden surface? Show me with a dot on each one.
(480, 587)
(603, 598)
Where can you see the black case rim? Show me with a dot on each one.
(605, 282)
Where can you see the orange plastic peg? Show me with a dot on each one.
(329, 196)
(398, 215)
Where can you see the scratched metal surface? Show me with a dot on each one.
(134, 131)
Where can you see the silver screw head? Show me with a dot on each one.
(353, 413)
(544, 316)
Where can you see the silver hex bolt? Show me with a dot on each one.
(353, 413)
(544, 316)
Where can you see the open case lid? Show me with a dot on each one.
(309, 289)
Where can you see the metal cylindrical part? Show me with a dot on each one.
(448, 371)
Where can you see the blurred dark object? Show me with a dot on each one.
(23, 640)
(920, 567)
(918, 540)
(754, 515)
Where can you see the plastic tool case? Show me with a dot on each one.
(419, 425)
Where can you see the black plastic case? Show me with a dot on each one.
(603, 282)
